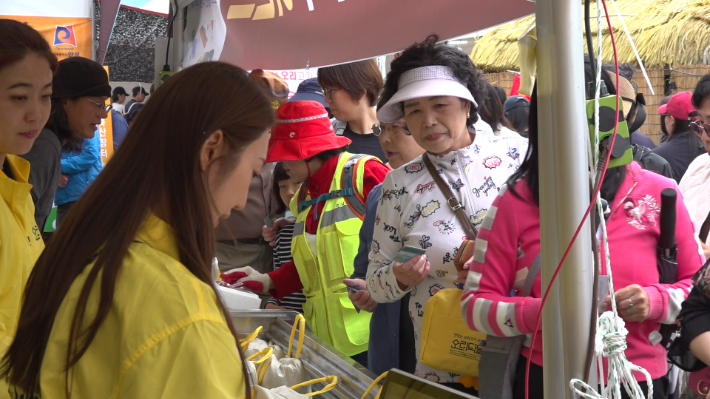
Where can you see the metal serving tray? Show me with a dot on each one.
(319, 358)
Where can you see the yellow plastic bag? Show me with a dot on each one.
(447, 343)
(288, 370)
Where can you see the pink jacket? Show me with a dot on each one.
(510, 240)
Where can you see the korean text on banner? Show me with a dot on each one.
(106, 135)
(68, 37)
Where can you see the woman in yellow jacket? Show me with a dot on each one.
(26, 68)
(121, 303)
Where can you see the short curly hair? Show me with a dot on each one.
(429, 53)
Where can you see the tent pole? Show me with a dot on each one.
(564, 193)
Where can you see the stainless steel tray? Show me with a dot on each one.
(319, 358)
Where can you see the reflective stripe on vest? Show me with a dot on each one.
(329, 312)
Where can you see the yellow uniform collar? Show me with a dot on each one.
(157, 234)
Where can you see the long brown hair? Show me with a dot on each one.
(18, 40)
(157, 165)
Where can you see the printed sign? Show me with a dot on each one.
(68, 37)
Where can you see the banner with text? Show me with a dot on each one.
(68, 37)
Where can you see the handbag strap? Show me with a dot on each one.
(451, 199)
(704, 230)
(532, 273)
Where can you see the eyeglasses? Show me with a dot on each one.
(328, 93)
(391, 129)
(699, 128)
(101, 107)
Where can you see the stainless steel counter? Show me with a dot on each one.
(319, 358)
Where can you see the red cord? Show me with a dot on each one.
(589, 209)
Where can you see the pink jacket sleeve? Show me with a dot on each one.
(665, 299)
(496, 270)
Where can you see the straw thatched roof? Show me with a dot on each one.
(666, 32)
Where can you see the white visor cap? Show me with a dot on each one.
(428, 81)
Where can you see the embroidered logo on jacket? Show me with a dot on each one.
(513, 153)
(478, 217)
(388, 194)
(431, 376)
(487, 185)
(434, 289)
(424, 242)
(642, 214)
(492, 162)
(414, 167)
(444, 226)
(421, 188)
(456, 185)
(425, 211)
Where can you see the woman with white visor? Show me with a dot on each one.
(434, 88)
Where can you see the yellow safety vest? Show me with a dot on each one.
(328, 310)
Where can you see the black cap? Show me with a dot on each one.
(138, 89)
(119, 90)
(514, 102)
(78, 76)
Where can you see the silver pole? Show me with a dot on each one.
(564, 193)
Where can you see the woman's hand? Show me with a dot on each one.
(361, 298)
(269, 232)
(463, 274)
(631, 302)
(412, 272)
(63, 180)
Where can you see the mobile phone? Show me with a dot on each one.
(407, 253)
(354, 288)
(269, 221)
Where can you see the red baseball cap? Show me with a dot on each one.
(302, 130)
(679, 106)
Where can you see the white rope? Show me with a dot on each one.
(610, 340)
(633, 46)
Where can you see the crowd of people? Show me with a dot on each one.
(313, 202)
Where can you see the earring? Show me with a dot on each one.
(468, 115)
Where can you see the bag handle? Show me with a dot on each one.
(372, 386)
(300, 321)
(261, 371)
(265, 353)
(245, 342)
(454, 204)
(333, 382)
(532, 273)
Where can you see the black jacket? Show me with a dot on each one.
(651, 161)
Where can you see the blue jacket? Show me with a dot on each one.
(120, 128)
(82, 168)
(383, 348)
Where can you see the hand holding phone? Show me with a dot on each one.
(357, 292)
(414, 270)
(407, 253)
